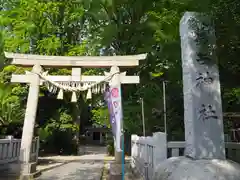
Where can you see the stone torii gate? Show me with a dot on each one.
(37, 77)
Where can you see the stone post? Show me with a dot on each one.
(10, 148)
(160, 151)
(202, 97)
(27, 167)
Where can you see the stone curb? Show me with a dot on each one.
(58, 165)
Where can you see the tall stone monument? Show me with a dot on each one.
(201, 88)
(204, 136)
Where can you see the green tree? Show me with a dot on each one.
(108, 27)
(43, 27)
(9, 106)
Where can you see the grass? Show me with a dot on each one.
(105, 171)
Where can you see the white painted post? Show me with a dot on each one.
(29, 121)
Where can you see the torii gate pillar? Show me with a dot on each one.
(28, 167)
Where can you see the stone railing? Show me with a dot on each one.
(146, 152)
(10, 150)
(176, 148)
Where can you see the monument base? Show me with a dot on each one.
(115, 171)
(182, 168)
(118, 157)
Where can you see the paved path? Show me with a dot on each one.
(75, 171)
(85, 167)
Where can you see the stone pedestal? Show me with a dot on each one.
(118, 157)
(115, 171)
(183, 168)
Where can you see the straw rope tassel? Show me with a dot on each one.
(60, 94)
(89, 94)
(74, 97)
(68, 87)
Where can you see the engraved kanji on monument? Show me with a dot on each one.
(202, 96)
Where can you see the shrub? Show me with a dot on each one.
(110, 147)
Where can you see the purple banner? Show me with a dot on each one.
(107, 98)
(113, 98)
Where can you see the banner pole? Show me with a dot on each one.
(123, 157)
